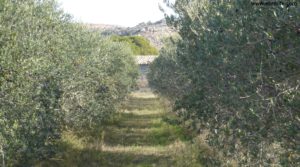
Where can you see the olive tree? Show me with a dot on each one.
(242, 62)
(54, 74)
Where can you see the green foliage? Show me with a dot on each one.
(197, 154)
(54, 75)
(241, 67)
(165, 70)
(138, 44)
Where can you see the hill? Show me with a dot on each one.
(154, 32)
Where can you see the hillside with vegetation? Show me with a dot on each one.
(138, 44)
(155, 32)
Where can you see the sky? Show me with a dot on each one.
(126, 13)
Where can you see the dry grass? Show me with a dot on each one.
(138, 150)
(145, 95)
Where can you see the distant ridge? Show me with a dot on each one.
(154, 32)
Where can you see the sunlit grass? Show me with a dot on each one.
(140, 150)
(146, 95)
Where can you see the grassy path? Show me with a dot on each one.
(140, 138)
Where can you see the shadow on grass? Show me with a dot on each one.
(135, 103)
(143, 128)
(140, 115)
(140, 124)
(161, 135)
(96, 158)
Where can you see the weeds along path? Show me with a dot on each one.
(140, 137)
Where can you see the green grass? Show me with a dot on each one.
(139, 137)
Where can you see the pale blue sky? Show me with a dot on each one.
(118, 12)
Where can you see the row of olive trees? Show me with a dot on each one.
(54, 74)
(236, 71)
